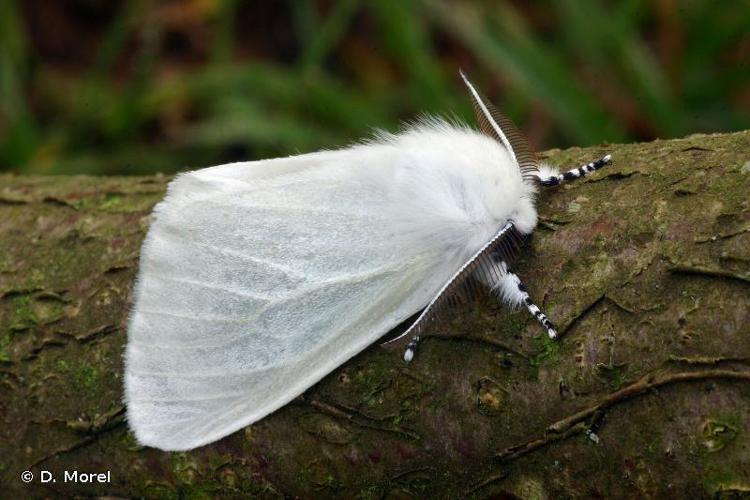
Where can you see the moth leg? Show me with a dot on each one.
(512, 290)
(550, 179)
(482, 265)
(411, 348)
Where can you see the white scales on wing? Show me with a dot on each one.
(258, 279)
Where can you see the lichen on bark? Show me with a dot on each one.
(645, 266)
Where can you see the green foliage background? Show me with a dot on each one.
(144, 86)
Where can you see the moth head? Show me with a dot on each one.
(499, 127)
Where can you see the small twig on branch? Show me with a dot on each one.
(707, 360)
(708, 271)
(522, 449)
(357, 418)
(480, 340)
(575, 424)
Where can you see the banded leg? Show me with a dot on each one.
(557, 179)
(537, 313)
(511, 289)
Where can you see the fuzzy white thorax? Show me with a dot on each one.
(468, 162)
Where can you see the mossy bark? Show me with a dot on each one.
(644, 266)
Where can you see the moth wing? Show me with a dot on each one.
(258, 279)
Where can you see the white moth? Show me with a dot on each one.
(259, 278)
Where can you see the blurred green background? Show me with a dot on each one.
(110, 87)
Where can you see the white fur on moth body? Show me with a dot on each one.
(259, 278)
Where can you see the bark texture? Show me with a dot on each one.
(644, 266)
